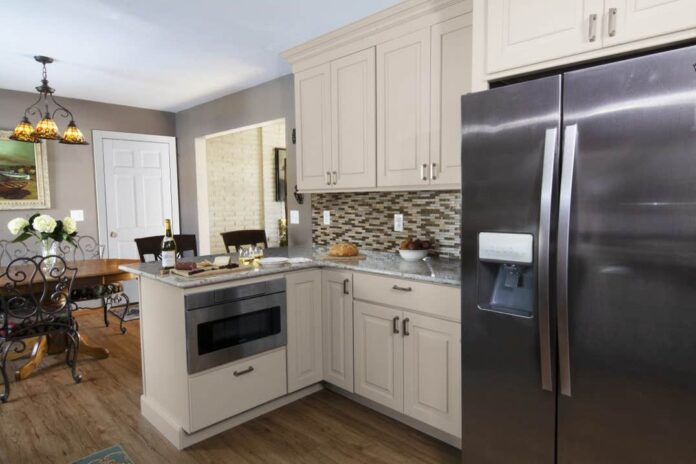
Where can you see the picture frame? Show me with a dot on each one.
(281, 160)
(24, 180)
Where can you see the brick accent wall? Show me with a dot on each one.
(367, 219)
(241, 185)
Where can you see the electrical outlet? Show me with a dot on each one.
(327, 217)
(294, 216)
(78, 215)
(398, 223)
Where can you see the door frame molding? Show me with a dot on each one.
(98, 137)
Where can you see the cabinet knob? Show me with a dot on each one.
(113, 234)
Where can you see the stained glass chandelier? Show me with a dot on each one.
(46, 128)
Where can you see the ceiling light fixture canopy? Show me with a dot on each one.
(47, 129)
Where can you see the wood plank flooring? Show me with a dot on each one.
(49, 419)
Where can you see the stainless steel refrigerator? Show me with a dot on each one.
(579, 266)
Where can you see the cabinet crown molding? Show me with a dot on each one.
(371, 26)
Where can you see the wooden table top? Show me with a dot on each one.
(90, 269)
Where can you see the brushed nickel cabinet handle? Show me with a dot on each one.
(245, 371)
(402, 289)
(593, 28)
(613, 12)
(395, 324)
(424, 166)
(335, 177)
(433, 171)
(328, 178)
(345, 287)
(406, 332)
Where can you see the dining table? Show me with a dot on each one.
(90, 272)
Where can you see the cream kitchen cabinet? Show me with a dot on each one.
(523, 36)
(337, 319)
(379, 354)
(450, 78)
(522, 32)
(304, 319)
(353, 121)
(403, 110)
(313, 121)
(632, 20)
(407, 361)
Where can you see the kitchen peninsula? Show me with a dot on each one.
(221, 350)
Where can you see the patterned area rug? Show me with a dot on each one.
(114, 455)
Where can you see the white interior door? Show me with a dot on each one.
(136, 189)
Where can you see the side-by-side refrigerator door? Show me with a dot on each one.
(627, 263)
(510, 152)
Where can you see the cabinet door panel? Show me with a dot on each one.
(378, 355)
(313, 120)
(432, 367)
(304, 329)
(337, 319)
(525, 32)
(353, 120)
(642, 19)
(403, 110)
(450, 79)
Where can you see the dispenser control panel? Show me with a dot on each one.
(506, 248)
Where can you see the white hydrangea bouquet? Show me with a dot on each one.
(47, 230)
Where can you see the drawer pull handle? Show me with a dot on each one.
(593, 28)
(402, 289)
(406, 332)
(395, 324)
(245, 371)
(345, 287)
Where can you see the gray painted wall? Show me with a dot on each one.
(71, 168)
(265, 102)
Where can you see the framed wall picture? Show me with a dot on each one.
(280, 174)
(23, 174)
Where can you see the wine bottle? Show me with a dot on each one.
(168, 247)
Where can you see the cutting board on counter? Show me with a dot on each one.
(199, 274)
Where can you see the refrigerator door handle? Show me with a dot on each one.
(544, 240)
(569, 148)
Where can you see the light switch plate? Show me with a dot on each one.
(78, 215)
(327, 217)
(294, 216)
(398, 223)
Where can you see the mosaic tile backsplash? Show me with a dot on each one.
(367, 219)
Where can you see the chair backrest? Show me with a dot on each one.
(238, 238)
(10, 250)
(153, 246)
(87, 248)
(35, 296)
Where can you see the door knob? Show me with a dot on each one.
(113, 234)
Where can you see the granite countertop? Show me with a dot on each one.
(444, 271)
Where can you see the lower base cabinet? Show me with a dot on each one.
(410, 363)
(337, 320)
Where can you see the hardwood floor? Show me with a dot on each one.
(49, 419)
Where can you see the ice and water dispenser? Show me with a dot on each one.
(506, 280)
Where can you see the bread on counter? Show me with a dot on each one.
(343, 250)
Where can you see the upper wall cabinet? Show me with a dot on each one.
(403, 110)
(353, 120)
(391, 117)
(523, 36)
(313, 121)
(530, 31)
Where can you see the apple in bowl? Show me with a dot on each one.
(414, 250)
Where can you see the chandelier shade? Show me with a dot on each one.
(46, 128)
(24, 132)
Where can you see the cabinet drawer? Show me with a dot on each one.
(219, 394)
(438, 300)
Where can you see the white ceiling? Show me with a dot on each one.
(161, 54)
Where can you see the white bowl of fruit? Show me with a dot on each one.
(414, 250)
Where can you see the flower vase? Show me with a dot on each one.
(49, 249)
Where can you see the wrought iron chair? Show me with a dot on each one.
(35, 301)
(11, 250)
(238, 238)
(110, 295)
